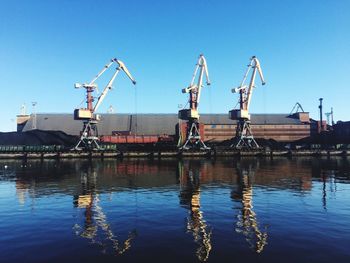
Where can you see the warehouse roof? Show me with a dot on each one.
(141, 123)
(273, 119)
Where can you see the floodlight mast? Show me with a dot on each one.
(89, 136)
(193, 138)
(244, 137)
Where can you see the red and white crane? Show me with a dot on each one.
(244, 137)
(192, 136)
(89, 136)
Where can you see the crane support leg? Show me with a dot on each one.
(89, 137)
(244, 137)
(193, 138)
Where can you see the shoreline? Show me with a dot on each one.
(172, 154)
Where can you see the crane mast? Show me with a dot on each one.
(330, 114)
(191, 136)
(89, 135)
(244, 137)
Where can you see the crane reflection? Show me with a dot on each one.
(96, 227)
(247, 223)
(189, 175)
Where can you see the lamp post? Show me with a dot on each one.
(320, 107)
(34, 103)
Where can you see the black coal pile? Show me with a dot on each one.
(263, 143)
(37, 137)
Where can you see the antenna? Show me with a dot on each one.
(23, 110)
(110, 109)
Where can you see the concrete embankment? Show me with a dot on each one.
(171, 154)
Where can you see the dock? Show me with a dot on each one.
(171, 154)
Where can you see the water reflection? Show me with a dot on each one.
(328, 177)
(247, 222)
(96, 227)
(189, 175)
(330, 172)
(310, 191)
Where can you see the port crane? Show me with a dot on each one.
(296, 108)
(244, 136)
(192, 138)
(89, 135)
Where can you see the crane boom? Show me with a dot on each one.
(110, 83)
(125, 69)
(105, 91)
(203, 69)
(202, 65)
(255, 64)
(247, 91)
(102, 71)
(296, 107)
(196, 89)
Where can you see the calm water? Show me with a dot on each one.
(256, 210)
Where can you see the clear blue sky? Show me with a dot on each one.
(47, 46)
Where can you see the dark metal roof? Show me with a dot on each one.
(146, 124)
(216, 119)
(276, 119)
(154, 124)
(57, 122)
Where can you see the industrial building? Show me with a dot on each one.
(217, 127)
(341, 131)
